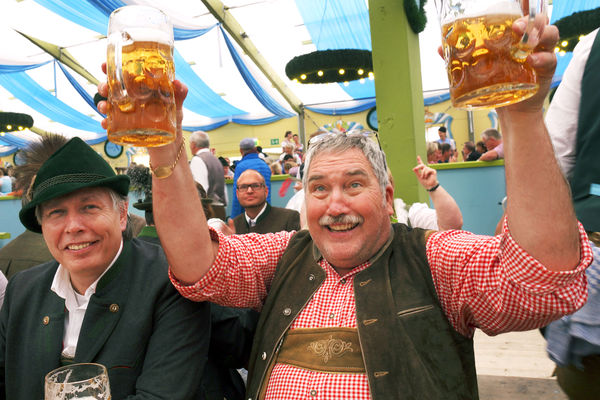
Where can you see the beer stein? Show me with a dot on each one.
(77, 381)
(485, 59)
(140, 69)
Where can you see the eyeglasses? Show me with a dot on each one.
(255, 186)
(369, 134)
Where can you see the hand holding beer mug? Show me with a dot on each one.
(140, 69)
(486, 61)
(86, 381)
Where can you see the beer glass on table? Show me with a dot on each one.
(84, 381)
(486, 60)
(140, 69)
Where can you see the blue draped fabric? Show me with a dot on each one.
(340, 24)
(93, 14)
(85, 95)
(265, 99)
(201, 99)
(13, 139)
(80, 12)
(19, 68)
(108, 6)
(242, 121)
(35, 96)
(207, 127)
(362, 106)
(431, 100)
(6, 150)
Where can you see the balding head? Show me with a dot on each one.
(200, 140)
(251, 191)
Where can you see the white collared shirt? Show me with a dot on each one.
(199, 169)
(252, 222)
(75, 303)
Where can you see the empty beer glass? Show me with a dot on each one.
(140, 69)
(87, 381)
(485, 59)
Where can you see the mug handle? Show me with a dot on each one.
(535, 26)
(121, 90)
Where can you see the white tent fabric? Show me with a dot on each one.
(274, 26)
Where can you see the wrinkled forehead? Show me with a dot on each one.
(81, 195)
(352, 159)
(250, 176)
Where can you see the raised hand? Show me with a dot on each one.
(426, 176)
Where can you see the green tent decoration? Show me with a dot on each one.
(62, 55)
(575, 25)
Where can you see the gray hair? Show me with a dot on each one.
(491, 133)
(340, 142)
(200, 139)
(119, 204)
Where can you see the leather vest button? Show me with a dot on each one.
(311, 277)
(46, 320)
(287, 311)
(114, 308)
(263, 356)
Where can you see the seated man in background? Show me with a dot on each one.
(260, 216)
(105, 299)
(469, 152)
(446, 151)
(493, 142)
(250, 160)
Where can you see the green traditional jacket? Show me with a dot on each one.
(409, 348)
(153, 341)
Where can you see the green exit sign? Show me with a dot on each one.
(274, 142)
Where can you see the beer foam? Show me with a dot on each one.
(147, 35)
(479, 8)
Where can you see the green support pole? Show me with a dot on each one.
(400, 109)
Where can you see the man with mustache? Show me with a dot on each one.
(358, 308)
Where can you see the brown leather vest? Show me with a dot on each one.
(410, 350)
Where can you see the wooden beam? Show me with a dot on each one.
(237, 32)
(400, 109)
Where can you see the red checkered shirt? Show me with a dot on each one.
(482, 282)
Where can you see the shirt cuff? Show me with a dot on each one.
(194, 291)
(536, 277)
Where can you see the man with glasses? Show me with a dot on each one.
(250, 160)
(356, 307)
(259, 216)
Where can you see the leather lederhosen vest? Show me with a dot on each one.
(409, 348)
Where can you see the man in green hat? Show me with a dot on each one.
(102, 299)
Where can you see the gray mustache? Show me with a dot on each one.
(340, 219)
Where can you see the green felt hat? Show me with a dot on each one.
(74, 166)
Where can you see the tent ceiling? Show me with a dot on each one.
(276, 27)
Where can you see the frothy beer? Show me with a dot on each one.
(482, 69)
(141, 102)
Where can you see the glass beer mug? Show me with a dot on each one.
(140, 69)
(85, 381)
(485, 59)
